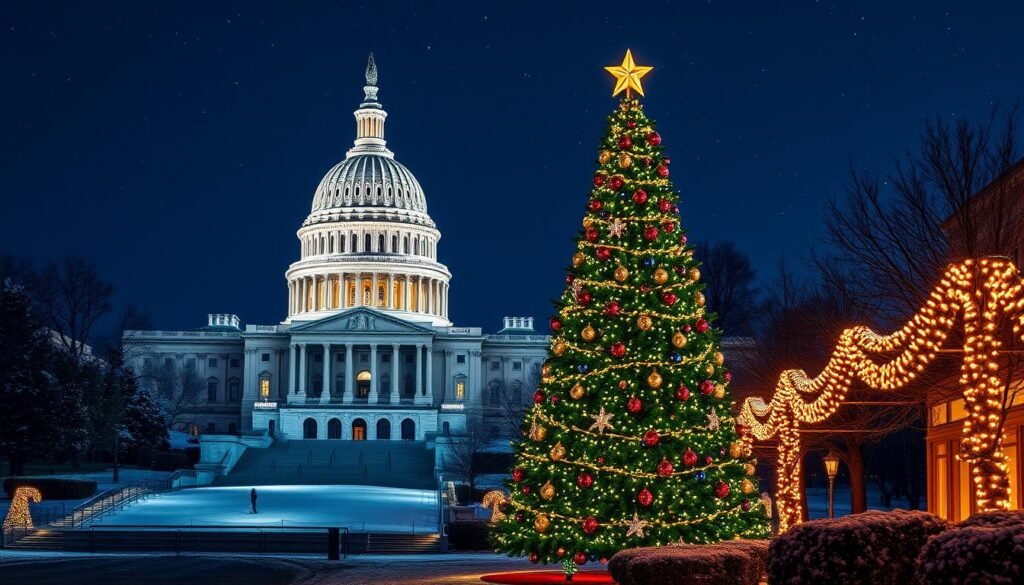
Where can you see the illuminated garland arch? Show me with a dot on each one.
(978, 292)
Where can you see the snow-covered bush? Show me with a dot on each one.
(873, 548)
(985, 549)
(733, 562)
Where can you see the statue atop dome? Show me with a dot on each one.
(370, 89)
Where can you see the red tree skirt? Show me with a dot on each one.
(548, 578)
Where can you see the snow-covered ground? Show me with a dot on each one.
(359, 508)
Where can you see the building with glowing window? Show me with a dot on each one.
(366, 350)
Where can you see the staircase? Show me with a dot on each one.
(388, 544)
(405, 464)
(40, 539)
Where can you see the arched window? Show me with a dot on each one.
(380, 244)
(409, 429)
(354, 241)
(383, 430)
(265, 386)
(517, 392)
(359, 430)
(309, 429)
(405, 245)
(234, 390)
(460, 388)
(394, 244)
(446, 429)
(334, 429)
(494, 392)
(330, 244)
(367, 241)
(416, 246)
(341, 244)
(211, 389)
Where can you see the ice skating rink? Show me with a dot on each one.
(358, 508)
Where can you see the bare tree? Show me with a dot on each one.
(73, 299)
(176, 390)
(461, 459)
(729, 286)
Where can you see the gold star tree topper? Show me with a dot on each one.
(627, 76)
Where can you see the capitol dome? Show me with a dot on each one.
(368, 240)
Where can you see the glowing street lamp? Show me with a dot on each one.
(831, 469)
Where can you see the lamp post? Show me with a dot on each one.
(831, 469)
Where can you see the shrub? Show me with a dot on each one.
(984, 549)
(170, 461)
(469, 535)
(876, 548)
(732, 562)
(53, 488)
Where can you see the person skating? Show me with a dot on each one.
(252, 498)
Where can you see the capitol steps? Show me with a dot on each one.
(40, 539)
(405, 464)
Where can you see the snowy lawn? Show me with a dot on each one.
(359, 508)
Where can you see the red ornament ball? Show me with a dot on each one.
(668, 227)
(603, 253)
(702, 325)
(647, 161)
(669, 298)
(707, 387)
(615, 182)
(583, 298)
(517, 474)
(526, 489)
(728, 376)
(554, 400)
(663, 172)
(556, 325)
(682, 240)
(534, 558)
(745, 504)
(596, 205)
(708, 460)
(667, 161)
(639, 196)
(650, 233)
(651, 438)
(618, 349)
(585, 481)
(580, 558)
(631, 124)
(653, 138)
(569, 278)
(622, 384)
(590, 234)
(598, 180)
(665, 205)
(682, 392)
(539, 397)
(590, 525)
(634, 405)
(560, 551)
(645, 497)
(600, 460)
(625, 142)
(665, 468)
(721, 489)
(612, 308)
(689, 458)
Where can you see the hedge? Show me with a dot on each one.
(732, 562)
(982, 550)
(469, 535)
(876, 548)
(53, 488)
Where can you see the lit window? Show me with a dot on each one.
(940, 415)
(957, 410)
(264, 389)
(460, 390)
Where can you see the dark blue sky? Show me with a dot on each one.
(178, 145)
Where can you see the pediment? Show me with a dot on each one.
(361, 320)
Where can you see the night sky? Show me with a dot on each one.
(178, 145)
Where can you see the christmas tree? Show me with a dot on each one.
(631, 440)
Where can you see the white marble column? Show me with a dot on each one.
(389, 298)
(419, 374)
(372, 399)
(325, 394)
(302, 372)
(395, 396)
(302, 295)
(430, 374)
(292, 386)
(349, 374)
(341, 291)
(373, 291)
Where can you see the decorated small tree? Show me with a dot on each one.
(631, 440)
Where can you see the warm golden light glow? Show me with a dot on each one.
(18, 515)
(494, 500)
(627, 76)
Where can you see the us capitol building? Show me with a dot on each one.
(366, 351)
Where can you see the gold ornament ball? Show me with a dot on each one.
(558, 347)
(577, 391)
(644, 322)
(735, 449)
(719, 358)
(560, 551)
(654, 380)
(746, 486)
(548, 491)
(679, 340)
(719, 391)
(588, 222)
(709, 370)
(625, 161)
(661, 276)
(558, 451)
(540, 433)
(578, 258)
(541, 523)
(621, 274)
(749, 469)
(695, 274)
(604, 156)
(546, 370)
(588, 333)
(698, 297)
